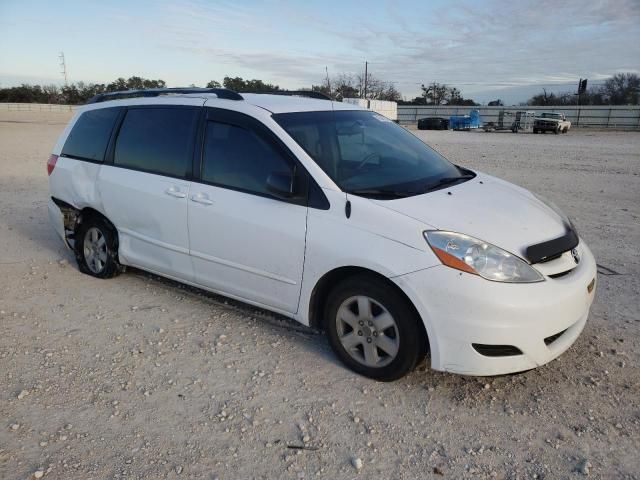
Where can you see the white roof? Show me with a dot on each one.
(271, 103)
(285, 104)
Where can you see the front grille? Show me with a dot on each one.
(549, 259)
(552, 248)
(496, 350)
(549, 340)
(561, 274)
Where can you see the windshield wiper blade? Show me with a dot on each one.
(448, 180)
(380, 192)
(388, 193)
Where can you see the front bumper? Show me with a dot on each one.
(461, 309)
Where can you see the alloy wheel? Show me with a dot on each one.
(367, 331)
(95, 250)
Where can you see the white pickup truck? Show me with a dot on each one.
(551, 122)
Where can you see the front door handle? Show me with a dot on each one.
(201, 198)
(174, 192)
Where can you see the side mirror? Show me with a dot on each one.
(280, 184)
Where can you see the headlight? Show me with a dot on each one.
(471, 255)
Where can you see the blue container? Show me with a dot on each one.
(465, 122)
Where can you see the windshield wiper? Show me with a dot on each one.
(381, 192)
(389, 193)
(449, 180)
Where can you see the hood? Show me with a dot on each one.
(488, 209)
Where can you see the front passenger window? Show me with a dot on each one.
(240, 159)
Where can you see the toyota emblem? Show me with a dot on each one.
(575, 255)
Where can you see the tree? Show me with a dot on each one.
(434, 93)
(238, 84)
(322, 89)
(621, 89)
(441, 94)
(495, 103)
(345, 85)
(377, 89)
(214, 84)
(134, 83)
(543, 99)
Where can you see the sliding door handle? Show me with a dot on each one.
(201, 198)
(174, 192)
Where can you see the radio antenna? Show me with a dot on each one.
(326, 69)
(63, 66)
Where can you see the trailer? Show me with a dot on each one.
(465, 122)
(521, 121)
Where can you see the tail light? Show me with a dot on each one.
(51, 163)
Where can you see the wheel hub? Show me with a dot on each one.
(367, 331)
(95, 250)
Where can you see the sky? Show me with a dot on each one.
(488, 49)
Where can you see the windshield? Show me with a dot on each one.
(551, 115)
(367, 154)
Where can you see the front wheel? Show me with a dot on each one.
(96, 248)
(373, 330)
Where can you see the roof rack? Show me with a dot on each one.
(155, 92)
(297, 93)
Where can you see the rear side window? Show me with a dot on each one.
(157, 140)
(239, 158)
(89, 136)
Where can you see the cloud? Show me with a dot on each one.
(479, 46)
(476, 46)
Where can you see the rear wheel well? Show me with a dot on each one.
(88, 213)
(331, 279)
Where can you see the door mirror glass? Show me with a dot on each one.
(280, 184)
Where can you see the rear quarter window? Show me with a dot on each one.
(90, 134)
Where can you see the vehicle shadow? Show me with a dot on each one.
(307, 336)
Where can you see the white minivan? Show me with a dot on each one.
(326, 213)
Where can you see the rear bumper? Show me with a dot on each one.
(57, 220)
(460, 309)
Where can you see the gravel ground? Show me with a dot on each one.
(139, 377)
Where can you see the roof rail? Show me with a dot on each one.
(155, 92)
(297, 93)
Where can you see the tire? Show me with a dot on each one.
(556, 130)
(96, 248)
(535, 130)
(393, 326)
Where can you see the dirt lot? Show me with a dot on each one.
(137, 377)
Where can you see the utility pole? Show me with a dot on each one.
(63, 66)
(578, 96)
(326, 69)
(366, 64)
